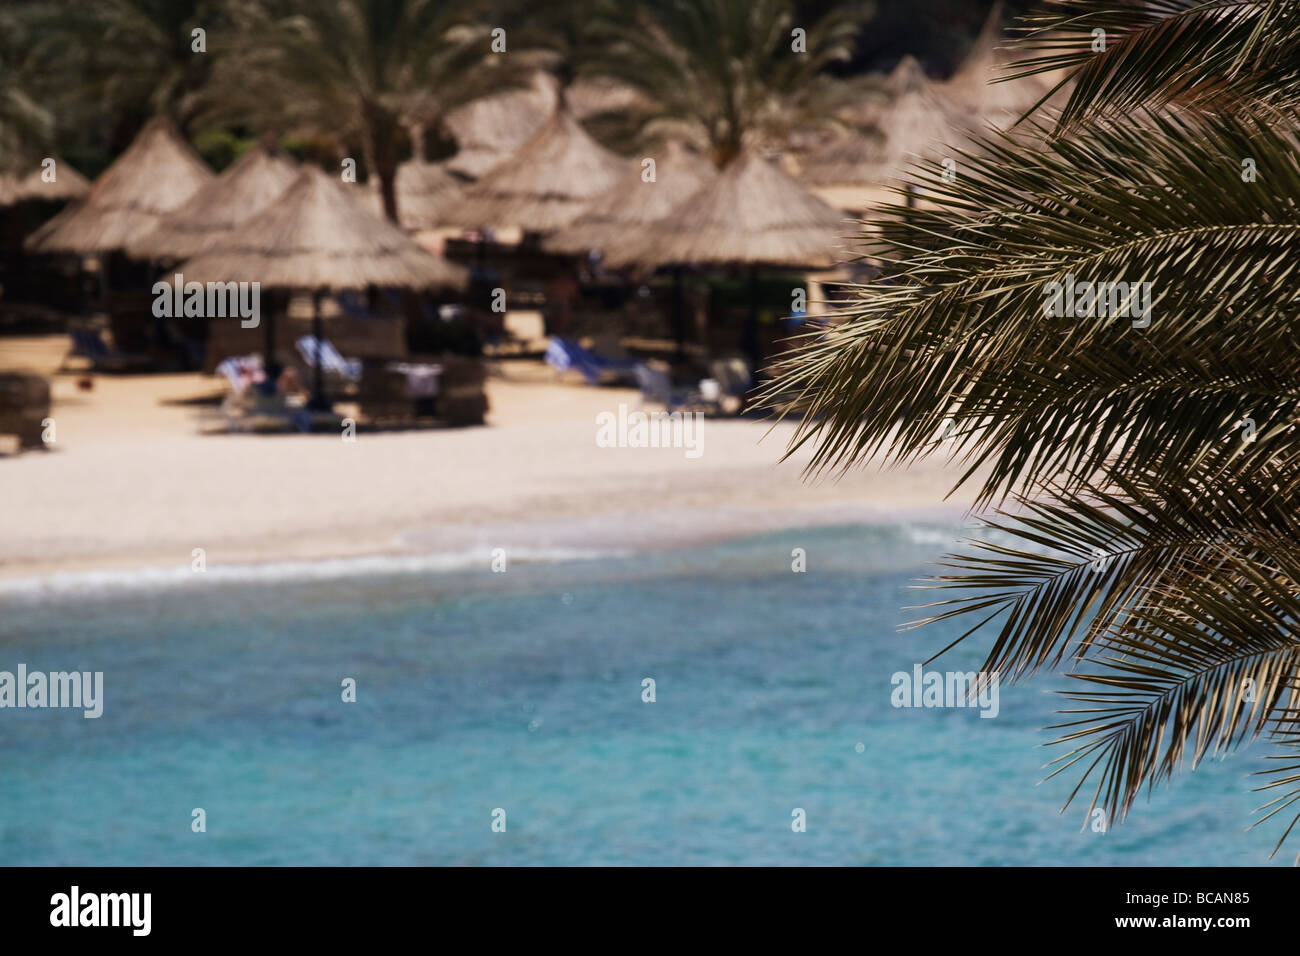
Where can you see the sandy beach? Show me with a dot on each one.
(130, 483)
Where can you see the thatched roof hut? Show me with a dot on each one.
(492, 129)
(973, 86)
(156, 174)
(921, 118)
(844, 160)
(425, 191)
(245, 188)
(632, 203)
(318, 236)
(545, 185)
(752, 214)
(68, 185)
(919, 124)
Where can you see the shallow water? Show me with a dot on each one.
(522, 691)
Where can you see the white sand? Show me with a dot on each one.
(129, 482)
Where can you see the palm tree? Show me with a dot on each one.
(134, 58)
(1140, 483)
(24, 122)
(719, 73)
(376, 71)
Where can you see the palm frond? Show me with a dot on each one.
(955, 329)
(1218, 56)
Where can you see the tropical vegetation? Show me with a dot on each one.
(1138, 478)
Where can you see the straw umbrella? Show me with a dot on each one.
(632, 203)
(320, 238)
(158, 172)
(998, 103)
(490, 130)
(847, 171)
(545, 185)
(424, 192)
(751, 216)
(67, 185)
(918, 124)
(920, 118)
(215, 211)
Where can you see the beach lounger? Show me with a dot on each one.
(89, 344)
(255, 411)
(240, 371)
(564, 355)
(657, 388)
(734, 380)
(331, 360)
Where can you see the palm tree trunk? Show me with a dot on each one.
(381, 129)
(679, 315)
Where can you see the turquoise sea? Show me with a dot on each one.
(523, 691)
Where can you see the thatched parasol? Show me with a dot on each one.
(998, 103)
(492, 129)
(319, 237)
(156, 174)
(919, 121)
(845, 160)
(545, 185)
(247, 186)
(424, 192)
(919, 125)
(68, 184)
(752, 214)
(632, 203)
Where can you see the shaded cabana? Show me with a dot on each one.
(219, 208)
(545, 185)
(320, 238)
(751, 216)
(920, 123)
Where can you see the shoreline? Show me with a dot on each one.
(130, 485)
(527, 544)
